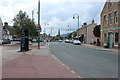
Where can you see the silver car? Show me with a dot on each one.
(76, 42)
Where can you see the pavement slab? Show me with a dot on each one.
(34, 66)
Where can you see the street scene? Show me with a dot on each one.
(44, 39)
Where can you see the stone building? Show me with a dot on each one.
(83, 33)
(86, 33)
(110, 24)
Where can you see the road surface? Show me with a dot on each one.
(87, 62)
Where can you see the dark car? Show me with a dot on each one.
(6, 41)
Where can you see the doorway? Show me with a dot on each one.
(110, 40)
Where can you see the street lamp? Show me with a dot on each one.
(45, 26)
(45, 29)
(33, 14)
(78, 20)
(52, 30)
(69, 25)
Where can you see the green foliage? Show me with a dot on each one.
(74, 34)
(61, 38)
(22, 21)
(16, 31)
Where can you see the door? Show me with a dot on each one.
(110, 40)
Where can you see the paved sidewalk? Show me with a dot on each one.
(101, 48)
(36, 64)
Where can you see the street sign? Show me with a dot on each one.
(38, 29)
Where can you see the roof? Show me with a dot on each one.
(103, 7)
(87, 26)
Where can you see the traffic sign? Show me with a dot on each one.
(38, 29)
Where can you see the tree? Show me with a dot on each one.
(22, 21)
(74, 34)
(96, 31)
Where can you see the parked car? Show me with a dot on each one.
(34, 40)
(71, 41)
(60, 40)
(76, 42)
(67, 41)
(6, 41)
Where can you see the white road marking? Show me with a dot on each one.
(66, 66)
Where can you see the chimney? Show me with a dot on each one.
(5, 24)
(93, 21)
(84, 24)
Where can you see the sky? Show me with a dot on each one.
(55, 14)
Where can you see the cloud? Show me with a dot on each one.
(11, 7)
(58, 13)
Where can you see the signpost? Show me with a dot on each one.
(38, 29)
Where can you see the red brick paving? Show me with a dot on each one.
(32, 66)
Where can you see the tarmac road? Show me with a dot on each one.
(88, 63)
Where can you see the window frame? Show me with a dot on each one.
(105, 20)
(116, 16)
(110, 19)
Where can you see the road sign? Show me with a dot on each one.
(38, 29)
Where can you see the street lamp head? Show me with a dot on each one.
(73, 17)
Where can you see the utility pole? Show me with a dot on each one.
(52, 30)
(32, 14)
(39, 23)
(78, 21)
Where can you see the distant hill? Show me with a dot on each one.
(64, 35)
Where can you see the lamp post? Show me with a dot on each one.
(45, 29)
(45, 26)
(78, 21)
(69, 30)
(52, 30)
(33, 14)
(69, 25)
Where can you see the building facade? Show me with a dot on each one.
(83, 33)
(86, 33)
(6, 32)
(91, 39)
(1, 27)
(110, 24)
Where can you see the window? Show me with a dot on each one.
(104, 20)
(109, 19)
(4, 32)
(116, 39)
(116, 17)
(109, 4)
